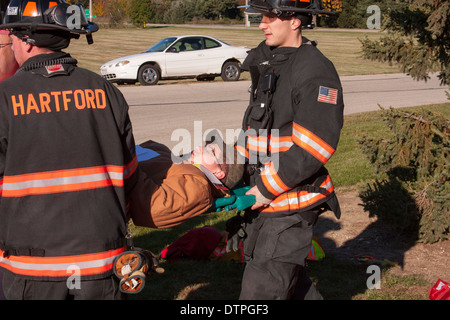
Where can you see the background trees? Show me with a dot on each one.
(418, 39)
(140, 12)
(416, 155)
(350, 13)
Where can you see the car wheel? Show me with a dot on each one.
(231, 71)
(149, 75)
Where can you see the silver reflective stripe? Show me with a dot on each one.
(298, 200)
(57, 266)
(279, 145)
(312, 144)
(271, 180)
(41, 183)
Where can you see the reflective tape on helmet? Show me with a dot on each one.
(30, 10)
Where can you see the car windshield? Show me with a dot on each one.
(162, 45)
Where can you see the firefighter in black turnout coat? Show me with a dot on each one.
(67, 163)
(292, 127)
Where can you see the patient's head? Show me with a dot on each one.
(214, 158)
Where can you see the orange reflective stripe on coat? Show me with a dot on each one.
(242, 151)
(272, 181)
(273, 144)
(280, 144)
(257, 144)
(307, 140)
(293, 201)
(66, 180)
(86, 264)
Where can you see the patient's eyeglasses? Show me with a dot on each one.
(5, 44)
(210, 149)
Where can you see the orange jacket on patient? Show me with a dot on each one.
(167, 193)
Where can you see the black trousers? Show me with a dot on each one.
(275, 250)
(16, 288)
(2, 296)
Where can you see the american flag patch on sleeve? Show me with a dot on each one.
(327, 95)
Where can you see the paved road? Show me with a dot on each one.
(179, 113)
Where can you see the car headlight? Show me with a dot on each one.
(122, 63)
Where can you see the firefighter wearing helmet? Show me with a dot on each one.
(67, 162)
(291, 129)
(39, 20)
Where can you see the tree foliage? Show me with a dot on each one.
(142, 12)
(418, 39)
(416, 157)
(116, 11)
(216, 9)
(332, 5)
(351, 13)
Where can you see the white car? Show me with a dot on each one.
(187, 56)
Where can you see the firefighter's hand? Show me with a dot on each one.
(261, 201)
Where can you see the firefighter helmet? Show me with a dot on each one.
(287, 7)
(34, 15)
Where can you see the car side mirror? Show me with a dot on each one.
(173, 50)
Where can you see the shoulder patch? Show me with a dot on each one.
(327, 95)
